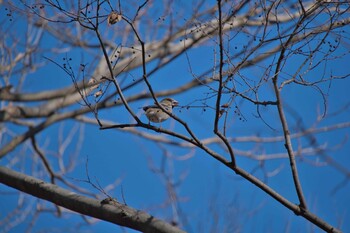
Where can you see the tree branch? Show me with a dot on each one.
(116, 213)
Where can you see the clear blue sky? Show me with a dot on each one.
(209, 189)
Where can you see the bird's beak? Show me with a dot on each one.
(175, 103)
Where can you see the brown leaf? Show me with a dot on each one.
(114, 17)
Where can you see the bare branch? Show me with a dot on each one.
(115, 213)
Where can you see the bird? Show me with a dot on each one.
(155, 114)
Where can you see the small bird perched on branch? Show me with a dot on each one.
(155, 114)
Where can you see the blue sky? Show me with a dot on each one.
(209, 189)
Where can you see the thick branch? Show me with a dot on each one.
(115, 213)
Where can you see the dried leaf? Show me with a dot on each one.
(225, 105)
(114, 17)
(97, 94)
(91, 83)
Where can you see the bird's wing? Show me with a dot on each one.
(149, 106)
